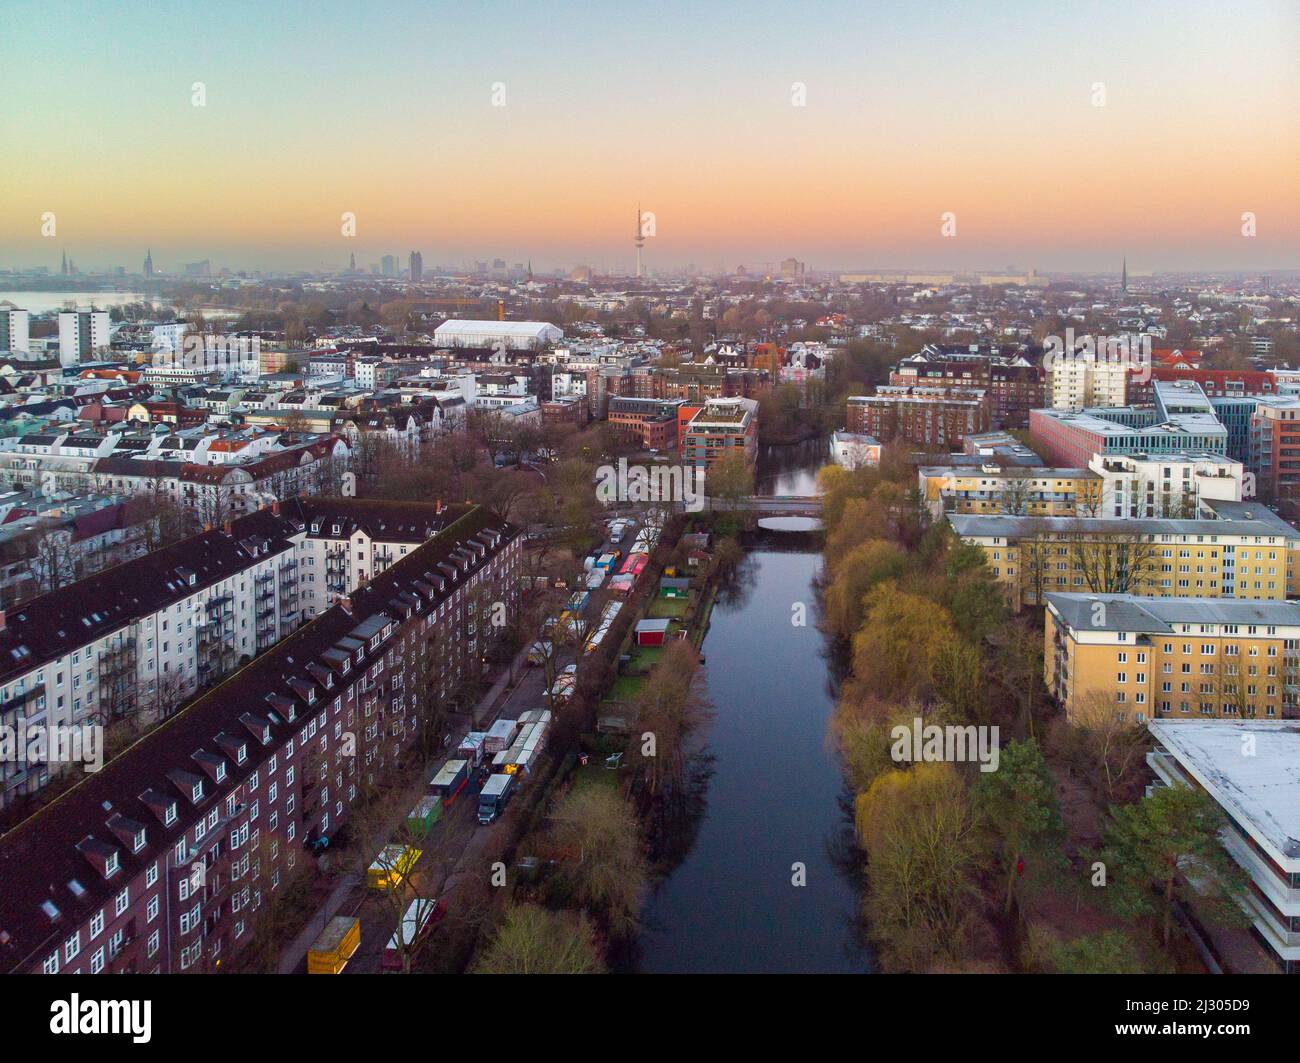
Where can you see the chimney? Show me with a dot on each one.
(2, 620)
(275, 507)
(228, 527)
(346, 602)
(437, 506)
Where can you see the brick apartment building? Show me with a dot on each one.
(649, 423)
(565, 409)
(1014, 385)
(163, 860)
(135, 640)
(931, 417)
(1275, 448)
(1216, 383)
(1014, 389)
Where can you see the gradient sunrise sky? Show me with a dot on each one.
(912, 109)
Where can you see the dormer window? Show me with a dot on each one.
(196, 792)
(137, 843)
(169, 816)
(103, 857)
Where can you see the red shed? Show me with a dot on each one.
(651, 632)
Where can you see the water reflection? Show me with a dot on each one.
(790, 470)
(774, 800)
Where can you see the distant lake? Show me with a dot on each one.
(44, 302)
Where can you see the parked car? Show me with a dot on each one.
(541, 649)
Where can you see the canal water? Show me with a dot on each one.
(774, 809)
(790, 470)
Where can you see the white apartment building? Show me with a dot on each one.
(1081, 381)
(852, 449)
(83, 333)
(14, 329)
(1165, 485)
(169, 336)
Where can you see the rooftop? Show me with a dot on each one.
(44, 855)
(1260, 789)
(974, 525)
(1144, 613)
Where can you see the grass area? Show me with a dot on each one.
(626, 687)
(596, 774)
(646, 656)
(670, 607)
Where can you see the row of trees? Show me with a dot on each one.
(961, 863)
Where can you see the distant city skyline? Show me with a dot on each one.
(845, 136)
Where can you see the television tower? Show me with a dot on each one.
(1123, 277)
(639, 241)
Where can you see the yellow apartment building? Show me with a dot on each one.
(1034, 491)
(1035, 556)
(1138, 658)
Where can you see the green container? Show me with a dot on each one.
(424, 815)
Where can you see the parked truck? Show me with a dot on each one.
(450, 780)
(420, 820)
(494, 796)
(420, 915)
(391, 866)
(500, 735)
(471, 748)
(330, 952)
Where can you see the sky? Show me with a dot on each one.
(1055, 136)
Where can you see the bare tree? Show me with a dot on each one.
(1112, 562)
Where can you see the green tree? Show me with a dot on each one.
(1110, 952)
(1018, 802)
(899, 643)
(1157, 846)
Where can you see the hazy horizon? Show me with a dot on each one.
(908, 114)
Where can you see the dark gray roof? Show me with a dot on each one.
(977, 525)
(1249, 511)
(1143, 613)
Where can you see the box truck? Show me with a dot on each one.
(420, 820)
(391, 866)
(494, 796)
(500, 735)
(420, 915)
(450, 780)
(330, 952)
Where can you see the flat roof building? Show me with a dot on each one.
(1251, 769)
(511, 335)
